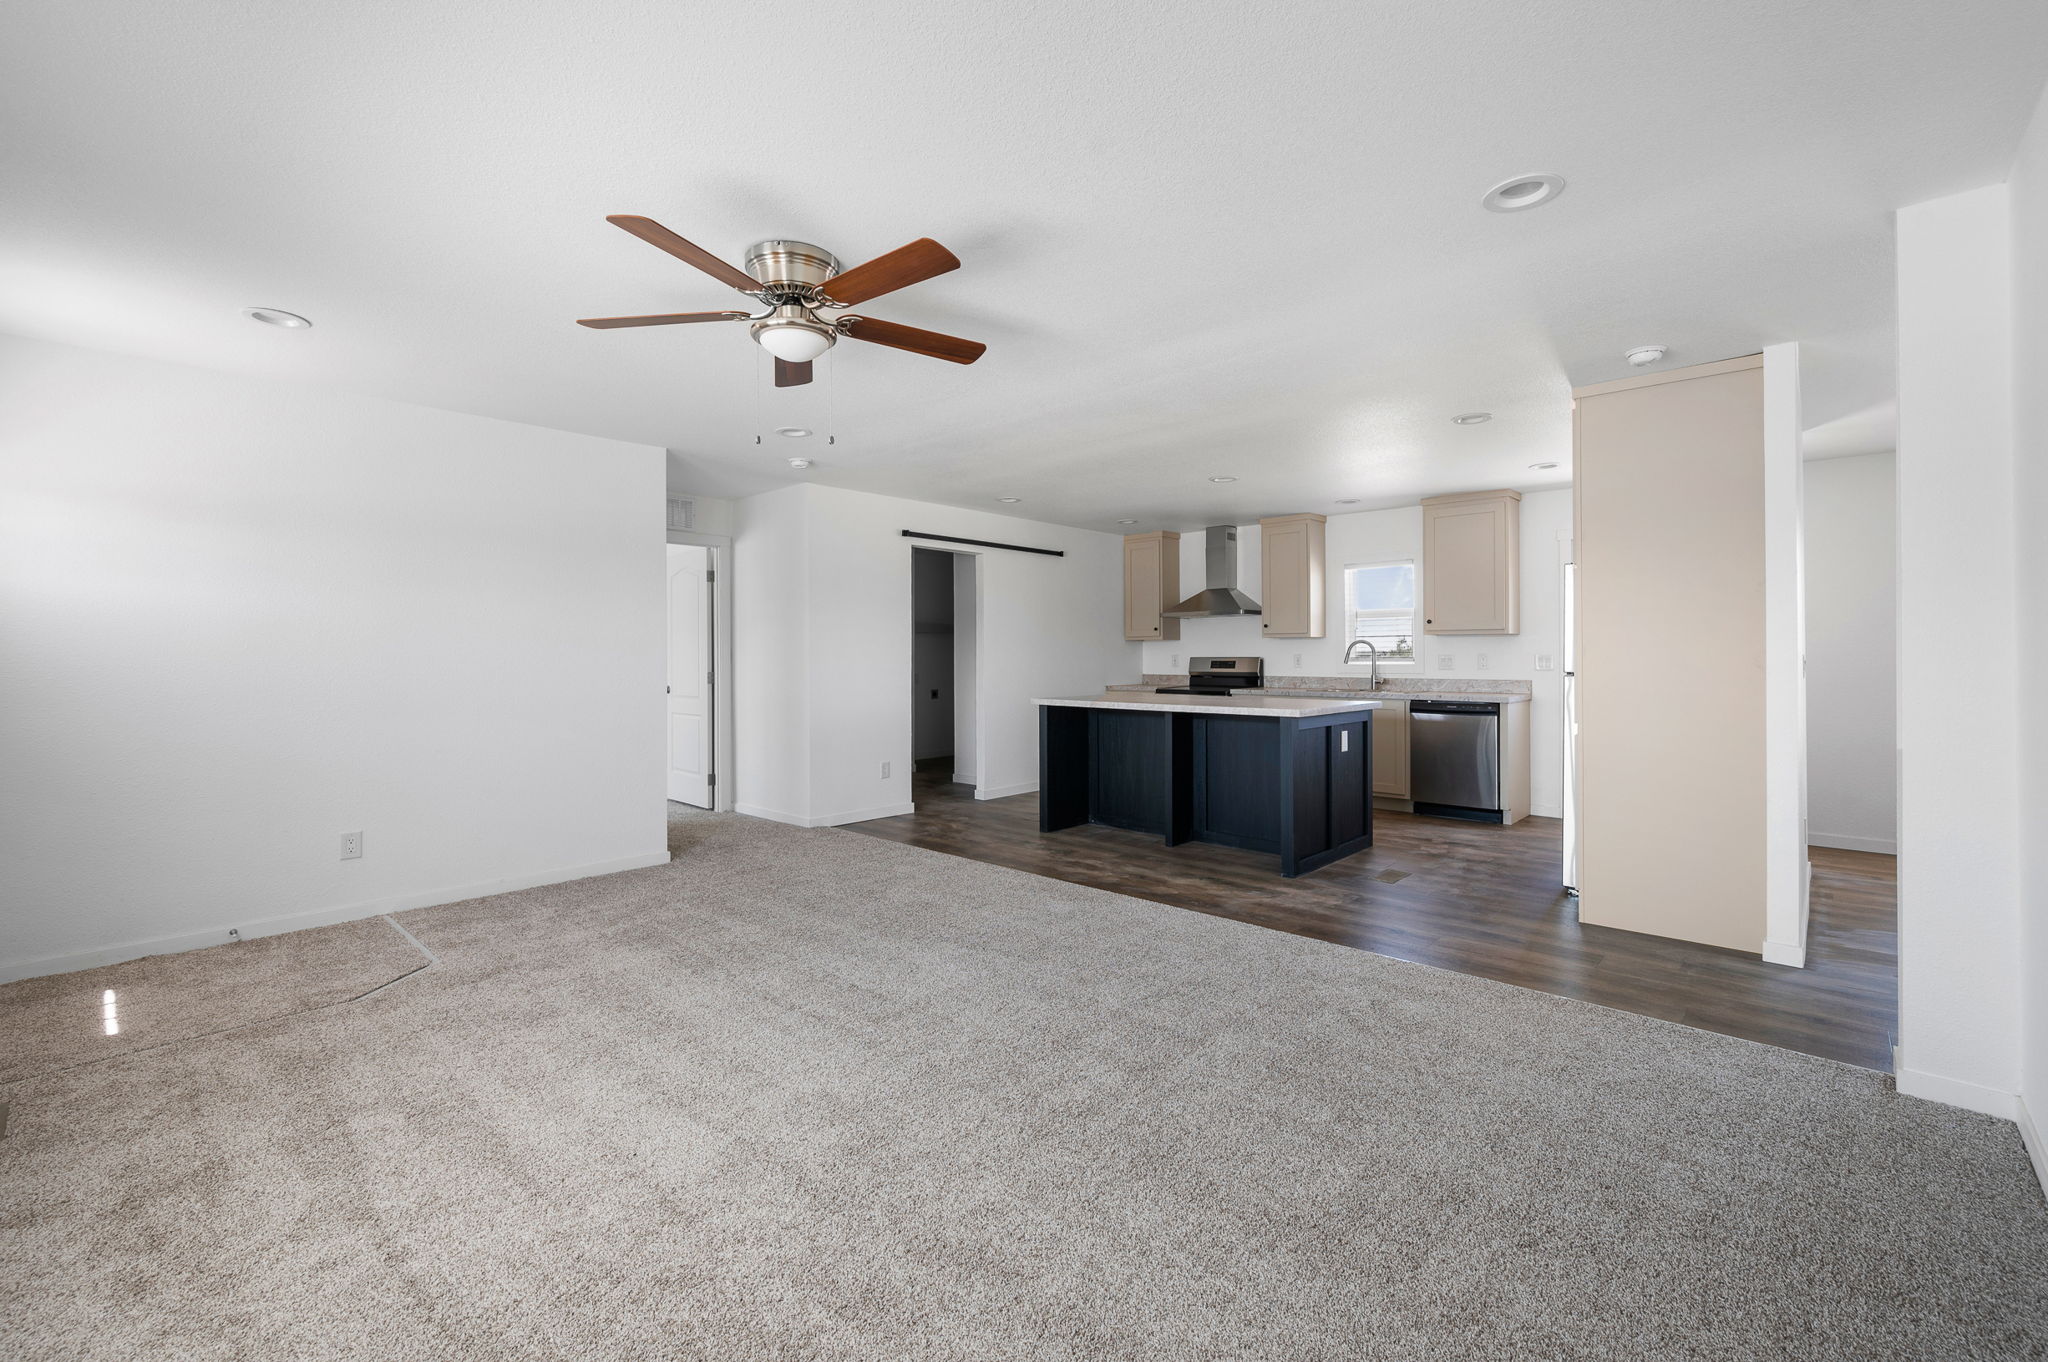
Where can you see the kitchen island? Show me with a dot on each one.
(1288, 776)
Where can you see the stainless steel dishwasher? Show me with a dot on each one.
(1454, 758)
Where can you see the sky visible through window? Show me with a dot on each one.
(1380, 605)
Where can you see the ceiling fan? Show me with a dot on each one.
(797, 281)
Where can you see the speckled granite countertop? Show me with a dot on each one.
(1503, 697)
(1269, 706)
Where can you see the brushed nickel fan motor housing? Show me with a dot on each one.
(794, 315)
(792, 266)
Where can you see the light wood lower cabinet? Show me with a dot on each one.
(1151, 584)
(1390, 748)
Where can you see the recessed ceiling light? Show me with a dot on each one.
(1472, 418)
(1222, 479)
(1644, 354)
(799, 463)
(1347, 501)
(1127, 522)
(271, 316)
(1523, 191)
(1009, 501)
(793, 432)
(1541, 467)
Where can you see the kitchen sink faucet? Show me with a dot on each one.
(1352, 652)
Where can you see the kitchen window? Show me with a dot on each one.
(1379, 604)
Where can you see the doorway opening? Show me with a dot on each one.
(692, 692)
(944, 722)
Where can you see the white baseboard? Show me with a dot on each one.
(772, 815)
(1957, 1092)
(830, 820)
(1785, 953)
(1005, 791)
(863, 815)
(2030, 1136)
(318, 917)
(1884, 846)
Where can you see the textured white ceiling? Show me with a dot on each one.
(1199, 238)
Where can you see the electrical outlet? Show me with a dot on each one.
(1445, 662)
(1297, 662)
(1176, 662)
(1543, 662)
(1480, 663)
(351, 846)
(885, 770)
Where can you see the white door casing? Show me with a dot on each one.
(689, 675)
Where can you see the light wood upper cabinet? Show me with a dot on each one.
(1291, 585)
(1151, 584)
(1472, 563)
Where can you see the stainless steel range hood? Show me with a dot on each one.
(1221, 596)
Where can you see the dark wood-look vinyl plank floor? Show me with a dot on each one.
(1481, 900)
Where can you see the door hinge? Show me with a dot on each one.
(711, 780)
(711, 576)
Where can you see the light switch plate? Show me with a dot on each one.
(1543, 662)
(1445, 662)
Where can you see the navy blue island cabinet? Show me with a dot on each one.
(1288, 777)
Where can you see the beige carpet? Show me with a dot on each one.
(812, 1095)
(61, 1020)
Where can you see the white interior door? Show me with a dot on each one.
(689, 674)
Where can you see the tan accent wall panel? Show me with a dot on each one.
(1669, 495)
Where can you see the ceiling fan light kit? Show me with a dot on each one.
(797, 281)
(793, 332)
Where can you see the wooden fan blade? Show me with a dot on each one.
(789, 375)
(900, 337)
(661, 319)
(900, 268)
(654, 234)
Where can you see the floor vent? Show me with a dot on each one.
(1391, 876)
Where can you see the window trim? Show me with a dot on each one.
(1415, 659)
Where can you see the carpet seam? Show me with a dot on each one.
(431, 962)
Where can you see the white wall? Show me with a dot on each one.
(1959, 830)
(772, 646)
(823, 628)
(243, 617)
(1786, 873)
(1851, 653)
(2029, 209)
(710, 515)
(1379, 536)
